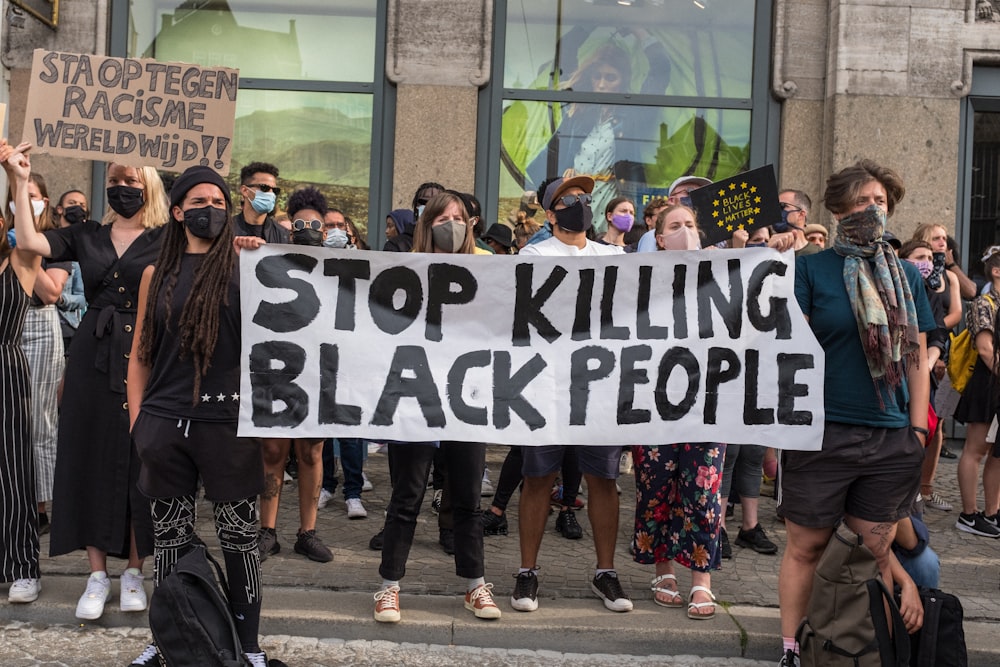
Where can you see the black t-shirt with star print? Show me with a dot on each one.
(170, 390)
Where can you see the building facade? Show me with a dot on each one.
(368, 99)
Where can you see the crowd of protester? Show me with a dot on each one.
(119, 363)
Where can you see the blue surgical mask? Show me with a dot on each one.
(11, 238)
(263, 202)
(420, 210)
(336, 238)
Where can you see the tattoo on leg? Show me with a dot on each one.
(884, 532)
(272, 486)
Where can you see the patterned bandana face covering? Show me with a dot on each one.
(879, 293)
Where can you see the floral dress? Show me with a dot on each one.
(677, 510)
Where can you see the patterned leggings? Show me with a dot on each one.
(236, 526)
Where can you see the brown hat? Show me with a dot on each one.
(813, 228)
(560, 185)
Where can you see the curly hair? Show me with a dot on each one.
(303, 198)
(248, 171)
(199, 322)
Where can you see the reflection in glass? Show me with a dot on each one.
(320, 139)
(709, 52)
(631, 151)
(984, 208)
(261, 39)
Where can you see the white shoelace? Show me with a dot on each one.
(147, 656)
(485, 592)
(97, 588)
(388, 597)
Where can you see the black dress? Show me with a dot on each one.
(19, 527)
(96, 499)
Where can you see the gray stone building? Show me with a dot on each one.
(368, 99)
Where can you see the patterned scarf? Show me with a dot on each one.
(879, 293)
(934, 280)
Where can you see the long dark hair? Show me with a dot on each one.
(199, 323)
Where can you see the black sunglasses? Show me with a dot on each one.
(264, 187)
(571, 200)
(299, 224)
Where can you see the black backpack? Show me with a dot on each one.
(940, 642)
(190, 617)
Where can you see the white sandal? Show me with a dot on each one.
(676, 600)
(694, 608)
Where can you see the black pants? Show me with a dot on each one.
(464, 463)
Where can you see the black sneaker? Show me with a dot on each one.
(494, 524)
(948, 454)
(446, 538)
(567, 524)
(375, 544)
(977, 524)
(790, 659)
(309, 545)
(726, 550)
(609, 589)
(267, 543)
(150, 657)
(756, 539)
(730, 511)
(525, 595)
(436, 501)
(995, 519)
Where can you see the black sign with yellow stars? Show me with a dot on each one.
(745, 201)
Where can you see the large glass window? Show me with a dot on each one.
(635, 93)
(307, 73)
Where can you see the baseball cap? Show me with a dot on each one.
(559, 186)
(700, 180)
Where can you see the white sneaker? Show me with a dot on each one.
(324, 498)
(486, 490)
(366, 485)
(355, 510)
(24, 590)
(91, 604)
(133, 595)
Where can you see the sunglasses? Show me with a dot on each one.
(264, 187)
(299, 224)
(571, 200)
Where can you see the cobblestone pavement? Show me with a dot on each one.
(969, 564)
(23, 645)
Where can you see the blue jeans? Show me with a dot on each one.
(924, 569)
(352, 453)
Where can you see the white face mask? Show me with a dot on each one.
(37, 207)
(682, 238)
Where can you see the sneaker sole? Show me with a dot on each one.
(133, 606)
(612, 605)
(387, 617)
(973, 531)
(22, 599)
(749, 545)
(486, 613)
(524, 604)
(89, 616)
(357, 516)
(317, 559)
(495, 531)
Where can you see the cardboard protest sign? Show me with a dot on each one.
(643, 348)
(135, 111)
(745, 201)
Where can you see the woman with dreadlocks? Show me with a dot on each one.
(869, 311)
(183, 395)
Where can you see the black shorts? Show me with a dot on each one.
(599, 461)
(175, 453)
(869, 473)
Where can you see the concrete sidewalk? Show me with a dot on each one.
(334, 600)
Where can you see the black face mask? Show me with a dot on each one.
(125, 201)
(207, 222)
(74, 214)
(308, 237)
(575, 218)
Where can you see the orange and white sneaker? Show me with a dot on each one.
(480, 602)
(387, 605)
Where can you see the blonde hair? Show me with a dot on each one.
(925, 231)
(155, 211)
(661, 217)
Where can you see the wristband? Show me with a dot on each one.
(950, 266)
(920, 429)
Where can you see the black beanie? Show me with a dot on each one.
(193, 176)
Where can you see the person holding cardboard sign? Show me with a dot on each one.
(96, 503)
(18, 270)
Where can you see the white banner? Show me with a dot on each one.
(647, 348)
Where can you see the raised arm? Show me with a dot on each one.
(18, 167)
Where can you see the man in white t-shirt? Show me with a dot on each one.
(567, 208)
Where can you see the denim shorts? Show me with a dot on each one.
(600, 461)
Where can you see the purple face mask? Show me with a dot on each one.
(623, 222)
(923, 266)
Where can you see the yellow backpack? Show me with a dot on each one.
(962, 357)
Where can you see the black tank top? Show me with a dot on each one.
(171, 381)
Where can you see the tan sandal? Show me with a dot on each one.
(694, 608)
(676, 600)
